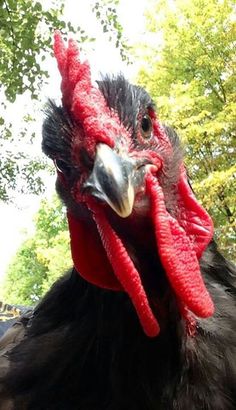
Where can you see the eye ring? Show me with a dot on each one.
(146, 127)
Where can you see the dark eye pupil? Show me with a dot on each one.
(146, 127)
(146, 124)
(62, 166)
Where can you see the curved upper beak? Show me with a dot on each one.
(112, 179)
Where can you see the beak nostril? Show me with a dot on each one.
(88, 187)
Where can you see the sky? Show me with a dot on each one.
(16, 219)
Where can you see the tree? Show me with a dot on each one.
(26, 34)
(41, 259)
(25, 275)
(192, 78)
(106, 13)
(25, 40)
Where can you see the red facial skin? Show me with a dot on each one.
(99, 255)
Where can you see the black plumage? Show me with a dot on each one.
(84, 347)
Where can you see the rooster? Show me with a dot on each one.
(146, 317)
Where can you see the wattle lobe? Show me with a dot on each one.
(89, 256)
(178, 255)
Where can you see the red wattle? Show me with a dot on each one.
(193, 217)
(89, 257)
(177, 255)
(126, 272)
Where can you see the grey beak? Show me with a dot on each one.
(110, 180)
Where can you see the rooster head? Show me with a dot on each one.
(122, 178)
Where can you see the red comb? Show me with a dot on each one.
(82, 99)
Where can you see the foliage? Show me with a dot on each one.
(106, 13)
(40, 259)
(23, 284)
(20, 169)
(192, 78)
(26, 34)
(25, 40)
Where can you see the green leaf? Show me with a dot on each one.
(191, 75)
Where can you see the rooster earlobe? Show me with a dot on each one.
(195, 220)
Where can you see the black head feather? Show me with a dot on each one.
(57, 132)
(126, 99)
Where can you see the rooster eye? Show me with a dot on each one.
(62, 167)
(146, 127)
